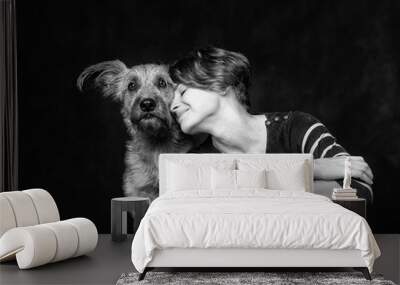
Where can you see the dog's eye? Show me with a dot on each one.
(162, 83)
(132, 86)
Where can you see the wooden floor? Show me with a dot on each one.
(111, 259)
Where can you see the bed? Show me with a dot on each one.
(247, 210)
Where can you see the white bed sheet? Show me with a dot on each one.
(252, 218)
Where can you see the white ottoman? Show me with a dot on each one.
(31, 232)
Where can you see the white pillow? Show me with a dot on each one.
(193, 174)
(226, 179)
(281, 174)
(223, 179)
(181, 178)
(200, 161)
(251, 178)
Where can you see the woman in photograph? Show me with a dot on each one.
(212, 98)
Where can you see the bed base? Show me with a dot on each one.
(364, 270)
(244, 259)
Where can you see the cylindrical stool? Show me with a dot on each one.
(137, 206)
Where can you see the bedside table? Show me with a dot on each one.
(357, 205)
(137, 206)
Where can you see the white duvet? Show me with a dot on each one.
(250, 219)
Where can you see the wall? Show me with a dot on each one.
(337, 60)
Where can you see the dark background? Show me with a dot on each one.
(338, 60)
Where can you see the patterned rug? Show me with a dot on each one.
(243, 278)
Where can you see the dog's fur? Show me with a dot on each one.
(145, 107)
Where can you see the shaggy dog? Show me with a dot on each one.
(145, 93)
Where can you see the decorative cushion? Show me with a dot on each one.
(188, 174)
(223, 179)
(251, 178)
(226, 179)
(281, 174)
(181, 178)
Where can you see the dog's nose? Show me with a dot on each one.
(148, 105)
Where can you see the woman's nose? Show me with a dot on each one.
(175, 102)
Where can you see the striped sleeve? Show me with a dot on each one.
(309, 135)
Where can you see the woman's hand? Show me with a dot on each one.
(333, 168)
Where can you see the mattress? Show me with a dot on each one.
(251, 218)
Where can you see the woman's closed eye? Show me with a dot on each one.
(181, 89)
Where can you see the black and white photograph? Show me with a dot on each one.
(179, 142)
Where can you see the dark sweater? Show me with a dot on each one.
(298, 132)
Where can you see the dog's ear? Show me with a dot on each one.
(105, 76)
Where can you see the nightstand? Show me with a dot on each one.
(357, 205)
(137, 206)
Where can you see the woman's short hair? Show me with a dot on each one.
(214, 69)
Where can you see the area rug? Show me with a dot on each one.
(244, 278)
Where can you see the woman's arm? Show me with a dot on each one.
(328, 168)
(332, 168)
(311, 136)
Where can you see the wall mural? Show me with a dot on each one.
(310, 63)
(145, 93)
(202, 101)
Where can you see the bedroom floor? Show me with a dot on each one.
(110, 260)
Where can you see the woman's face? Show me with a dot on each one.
(193, 106)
